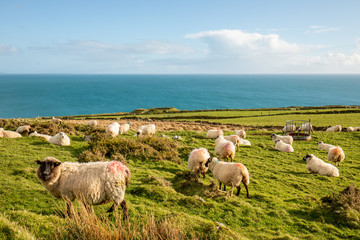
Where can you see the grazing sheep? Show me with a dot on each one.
(241, 133)
(23, 129)
(92, 123)
(316, 165)
(113, 129)
(92, 183)
(285, 139)
(124, 128)
(224, 148)
(229, 174)
(336, 128)
(35, 134)
(245, 142)
(60, 139)
(235, 139)
(10, 134)
(146, 130)
(213, 134)
(324, 146)
(197, 160)
(283, 147)
(289, 128)
(56, 120)
(336, 155)
(306, 127)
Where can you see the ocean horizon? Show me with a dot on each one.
(32, 95)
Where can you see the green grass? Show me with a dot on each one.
(284, 198)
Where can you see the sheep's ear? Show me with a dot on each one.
(38, 162)
(57, 164)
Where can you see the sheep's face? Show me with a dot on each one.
(319, 143)
(62, 135)
(46, 169)
(307, 157)
(207, 162)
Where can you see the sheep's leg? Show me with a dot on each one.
(203, 174)
(88, 208)
(238, 190)
(125, 210)
(112, 208)
(224, 187)
(247, 190)
(219, 185)
(68, 208)
(232, 189)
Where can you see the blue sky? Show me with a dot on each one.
(179, 37)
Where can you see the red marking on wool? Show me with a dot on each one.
(115, 167)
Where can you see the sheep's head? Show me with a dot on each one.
(308, 157)
(46, 170)
(62, 135)
(319, 143)
(211, 160)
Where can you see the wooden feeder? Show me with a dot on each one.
(299, 129)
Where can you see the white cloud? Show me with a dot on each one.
(322, 29)
(8, 50)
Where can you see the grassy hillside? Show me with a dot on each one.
(285, 200)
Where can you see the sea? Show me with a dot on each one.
(33, 95)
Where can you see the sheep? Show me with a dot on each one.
(36, 134)
(213, 134)
(336, 155)
(245, 142)
(324, 146)
(224, 148)
(283, 147)
(56, 120)
(60, 139)
(10, 134)
(285, 139)
(146, 130)
(306, 127)
(241, 133)
(336, 128)
(316, 165)
(124, 128)
(289, 128)
(92, 183)
(197, 160)
(235, 139)
(23, 129)
(92, 123)
(113, 129)
(229, 174)
(1, 134)
(350, 129)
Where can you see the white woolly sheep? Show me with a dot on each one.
(283, 147)
(146, 130)
(336, 155)
(241, 133)
(56, 120)
(113, 129)
(289, 128)
(324, 146)
(124, 128)
(306, 127)
(23, 129)
(229, 174)
(60, 139)
(10, 134)
(235, 139)
(92, 183)
(213, 134)
(245, 142)
(316, 165)
(92, 123)
(336, 128)
(285, 139)
(197, 160)
(350, 129)
(224, 148)
(36, 134)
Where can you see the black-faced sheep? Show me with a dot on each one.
(316, 165)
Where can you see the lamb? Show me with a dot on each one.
(146, 130)
(336, 155)
(197, 160)
(60, 139)
(316, 165)
(213, 134)
(241, 133)
(224, 148)
(235, 139)
(23, 129)
(56, 120)
(324, 146)
(245, 142)
(92, 123)
(306, 127)
(124, 128)
(289, 128)
(336, 128)
(92, 183)
(113, 129)
(36, 134)
(285, 139)
(229, 174)
(283, 147)
(10, 134)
